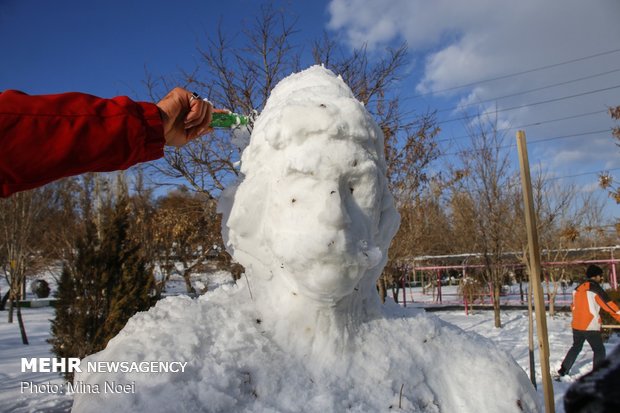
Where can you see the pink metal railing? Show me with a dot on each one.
(562, 298)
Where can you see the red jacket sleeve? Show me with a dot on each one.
(47, 137)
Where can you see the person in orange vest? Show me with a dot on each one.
(588, 299)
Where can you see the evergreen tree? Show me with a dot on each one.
(103, 286)
(65, 296)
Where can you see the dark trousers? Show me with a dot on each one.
(594, 338)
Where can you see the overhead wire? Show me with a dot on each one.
(528, 91)
(405, 114)
(509, 75)
(531, 142)
(585, 173)
(542, 102)
(536, 103)
(542, 122)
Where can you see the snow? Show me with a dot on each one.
(512, 339)
(37, 322)
(311, 221)
(304, 330)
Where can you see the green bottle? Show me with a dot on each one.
(228, 120)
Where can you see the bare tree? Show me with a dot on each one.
(557, 219)
(606, 180)
(237, 74)
(463, 221)
(144, 228)
(186, 228)
(425, 228)
(61, 220)
(491, 184)
(20, 217)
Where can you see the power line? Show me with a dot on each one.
(404, 114)
(536, 103)
(531, 142)
(569, 176)
(512, 74)
(529, 91)
(542, 122)
(568, 136)
(585, 173)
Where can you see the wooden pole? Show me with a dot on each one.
(614, 277)
(535, 281)
(530, 337)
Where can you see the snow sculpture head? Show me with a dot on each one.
(313, 212)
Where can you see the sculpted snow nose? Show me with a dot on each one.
(334, 212)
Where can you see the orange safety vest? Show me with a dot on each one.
(588, 299)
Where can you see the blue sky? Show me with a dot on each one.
(103, 47)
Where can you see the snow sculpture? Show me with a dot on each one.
(313, 217)
(311, 221)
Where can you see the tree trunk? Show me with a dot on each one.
(22, 328)
(552, 295)
(382, 289)
(395, 290)
(23, 288)
(552, 304)
(11, 305)
(188, 283)
(496, 304)
(4, 300)
(160, 286)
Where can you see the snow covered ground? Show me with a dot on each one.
(311, 222)
(512, 338)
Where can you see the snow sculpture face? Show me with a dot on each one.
(313, 209)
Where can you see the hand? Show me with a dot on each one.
(184, 118)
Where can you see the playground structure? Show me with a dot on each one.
(430, 280)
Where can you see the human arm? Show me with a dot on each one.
(48, 137)
(606, 303)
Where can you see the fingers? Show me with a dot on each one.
(184, 116)
(197, 110)
(202, 127)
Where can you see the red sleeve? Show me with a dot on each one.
(47, 137)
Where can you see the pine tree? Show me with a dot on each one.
(78, 301)
(65, 296)
(129, 285)
(105, 284)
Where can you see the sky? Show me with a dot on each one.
(556, 63)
